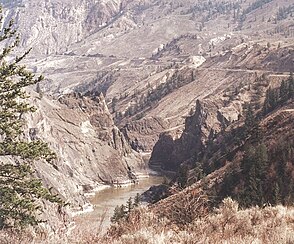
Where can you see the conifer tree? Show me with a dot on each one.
(273, 99)
(254, 166)
(116, 215)
(261, 159)
(250, 122)
(137, 200)
(276, 196)
(20, 190)
(284, 89)
(183, 175)
(266, 104)
(122, 211)
(291, 86)
(129, 205)
(247, 159)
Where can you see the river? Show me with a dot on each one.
(107, 199)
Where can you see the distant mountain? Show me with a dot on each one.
(50, 27)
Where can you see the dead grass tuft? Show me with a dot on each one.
(227, 224)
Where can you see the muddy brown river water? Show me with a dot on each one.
(107, 199)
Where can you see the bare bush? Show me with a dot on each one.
(227, 224)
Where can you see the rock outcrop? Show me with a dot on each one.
(51, 26)
(170, 152)
(144, 133)
(91, 151)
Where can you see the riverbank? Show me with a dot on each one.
(89, 207)
(105, 200)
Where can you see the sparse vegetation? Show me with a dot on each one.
(121, 213)
(285, 12)
(262, 169)
(264, 175)
(255, 5)
(227, 224)
(147, 101)
(279, 96)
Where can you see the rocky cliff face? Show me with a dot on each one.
(143, 134)
(99, 118)
(169, 152)
(51, 26)
(87, 143)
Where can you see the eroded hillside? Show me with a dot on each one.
(250, 160)
(82, 133)
(175, 77)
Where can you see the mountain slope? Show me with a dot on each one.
(81, 132)
(250, 160)
(152, 59)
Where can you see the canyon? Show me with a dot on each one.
(128, 81)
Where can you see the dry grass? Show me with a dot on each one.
(31, 236)
(228, 224)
